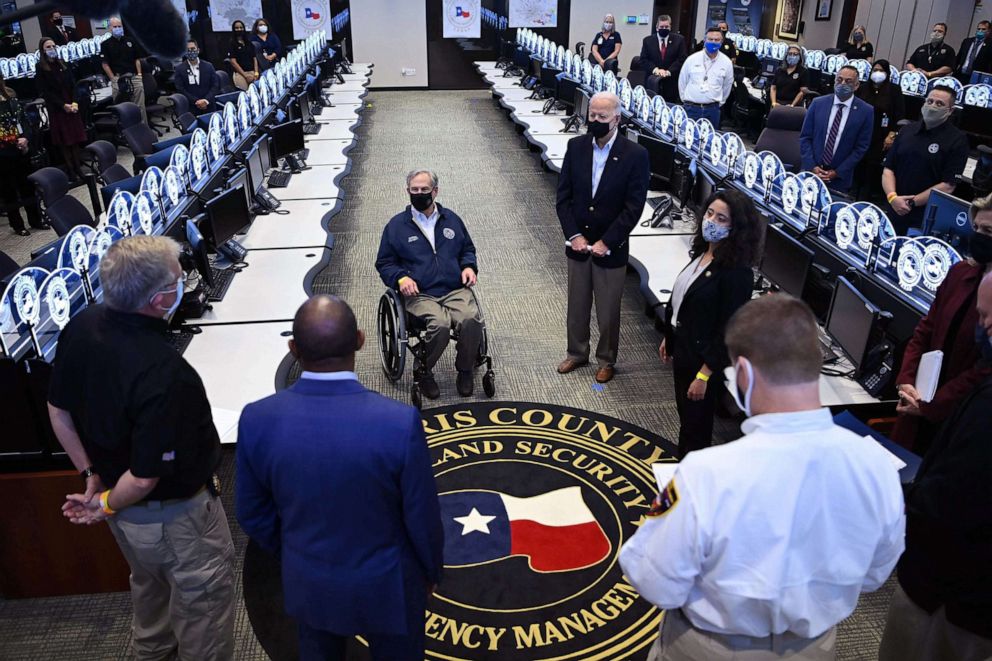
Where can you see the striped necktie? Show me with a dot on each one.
(828, 147)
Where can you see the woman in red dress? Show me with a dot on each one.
(57, 87)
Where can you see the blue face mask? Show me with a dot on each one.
(980, 34)
(792, 60)
(711, 47)
(843, 91)
(117, 32)
(51, 53)
(984, 343)
(713, 231)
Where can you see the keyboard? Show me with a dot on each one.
(222, 282)
(179, 340)
(311, 129)
(828, 354)
(279, 179)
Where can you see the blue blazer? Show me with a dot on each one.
(337, 480)
(851, 146)
(207, 88)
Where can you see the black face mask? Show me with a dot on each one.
(598, 129)
(664, 32)
(980, 248)
(984, 343)
(57, 21)
(421, 201)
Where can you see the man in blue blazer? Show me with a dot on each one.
(837, 132)
(197, 80)
(337, 481)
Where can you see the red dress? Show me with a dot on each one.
(58, 87)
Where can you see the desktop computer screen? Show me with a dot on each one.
(306, 112)
(851, 321)
(660, 154)
(199, 250)
(264, 152)
(227, 214)
(287, 138)
(566, 91)
(581, 103)
(256, 175)
(946, 216)
(786, 261)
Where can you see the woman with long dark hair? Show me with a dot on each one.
(57, 87)
(718, 280)
(267, 44)
(14, 164)
(242, 56)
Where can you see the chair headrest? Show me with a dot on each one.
(52, 183)
(105, 153)
(180, 102)
(786, 118)
(127, 113)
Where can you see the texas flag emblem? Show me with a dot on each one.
(461, 13)
(556, 531)
(311, 14)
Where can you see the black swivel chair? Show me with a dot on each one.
(112, 123)
(637, 77)
(748, 111)
(781, 135)
(154, 108)
(226, 86)
(101, 158)
(61, 210)
(7, 266)
(182, 118)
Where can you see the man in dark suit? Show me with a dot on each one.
(837, 132)
(975, 54)
(336, 481)
(662, 55)
(196, 79)
(56, 30)
(602, 189)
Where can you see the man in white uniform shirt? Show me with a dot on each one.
(764, 544)
(706, 79)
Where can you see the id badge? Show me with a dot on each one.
(885, 121)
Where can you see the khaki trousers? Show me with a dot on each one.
(182, 578)
(680, 641)
(456, 310)
(586, 283)
(137, 95)
(912, 633)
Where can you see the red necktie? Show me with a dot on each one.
(664, 48)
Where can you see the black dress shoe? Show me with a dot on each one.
(465, 382)
(428, 386)
(22, 232)
(41, 226)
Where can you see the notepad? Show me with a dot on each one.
(896, 462)
(663, 474)
(928, 374)
(224, 420)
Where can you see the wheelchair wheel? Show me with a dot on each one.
(392, 335)
(480, 359)
(489, 383)
(415, 397)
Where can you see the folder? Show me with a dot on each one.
(928, 374)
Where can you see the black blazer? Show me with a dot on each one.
(617, 205)
(57, 87)
(675, 54)
(709, 303)
(207, 87)
(53, 33)
(983, 59)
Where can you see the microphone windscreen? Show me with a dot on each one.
(157, 25)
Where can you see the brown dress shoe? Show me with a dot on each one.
(604, 374)
(570, 365)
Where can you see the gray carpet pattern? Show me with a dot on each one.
(489, 176)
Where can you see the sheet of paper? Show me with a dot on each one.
(663, 474)
(225, 421)
(896, 462)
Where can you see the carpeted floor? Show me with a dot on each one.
(490, 178)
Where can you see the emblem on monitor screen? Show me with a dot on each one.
(612, 87)
(658, 105)
(597, 78)
(977, 95)
(122, 211)
(716, 149)
(79, 252)
(198, 162)
(769, 169)
(231, 124)
(705, 129)
(58, 300)
(812, 195)
(909, 267)
(103, 240)
(625, 96)
(678, 117)
(869, 224)
(143, 210)
(576, 66)
(644, 109)
(751, 168)
(845, 227)
(639, 94)
(733, 146)
(790, 193)
(26, 299)
(180, 159)
(586, 72)
(665, 122)
(961, 219)
(254, 101)
(216, 143)
(689, 134)
(150, 182)
(937, 262)
(171, 186)
(609, 76)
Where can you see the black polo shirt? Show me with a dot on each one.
(931, 58)
(606, 46)
(244, 53)
(862, 52)
(119, 54)
(787, 85)
(135, 402)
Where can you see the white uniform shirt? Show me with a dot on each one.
(427, 224)
(778, 531)
(706, 80)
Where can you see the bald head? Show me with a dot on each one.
(326, 335)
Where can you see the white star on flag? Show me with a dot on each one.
(474, 521)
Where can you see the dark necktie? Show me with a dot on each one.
(970, 60)
(828, 147)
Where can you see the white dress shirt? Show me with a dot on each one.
(599, 157)
(777, 532)
(343, 375)
(426, 224)
(843, 120)
(706, 80)
(194, 73)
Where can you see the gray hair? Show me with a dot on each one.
(979, 205)
(135, 269)
(415, 173)
(662, 17)
(608, 96)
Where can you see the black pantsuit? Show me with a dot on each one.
(695, 417)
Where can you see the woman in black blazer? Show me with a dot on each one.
(717, 281)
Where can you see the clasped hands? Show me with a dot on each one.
(661, 73)
(84, 508)
(909, 400)
(824, 175)
(408, 286)
(581, 244)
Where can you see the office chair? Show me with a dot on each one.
(635, 76)
(226, 86)
(61, 210)
(153, 106)
(111, 123)
(7, 266)
(781, 135)
(748, 111)
(182, 117)
(101, 158)
(580, 49)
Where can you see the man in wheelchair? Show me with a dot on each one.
(427, 254)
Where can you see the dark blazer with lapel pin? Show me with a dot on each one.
(983, 58)
(708, 304)
(851, 146)
(675, 55)
(617, 205)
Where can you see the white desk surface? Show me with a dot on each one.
(346, 97)
(238, 364)
(364, 68)
(662, 258)
(500, 86)
(554, 164)
(360, 76)
(841, 391)
(520, 108)
(485, 64)
(339, 111)
(338, 129)
(317, 183)
(538, 122)
(269, 289)
(328, 152)
(350, 86)
(552, 145)
(678, 227)
(300, 229)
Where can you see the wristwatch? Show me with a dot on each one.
(87, 473)
(911, 203)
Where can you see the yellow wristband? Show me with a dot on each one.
(105, 503)
(702, 377)
(891, 197)
(400, 281)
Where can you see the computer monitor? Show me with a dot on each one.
(535, 66)
(946, 216)
(581, 103)
(287, 138)
(851, 321)
(549, 77)
(975, 120)
(786, 261)
(566, 91)
(256, 175)
(980, 77)
(264, 152)
(769, 65)
(661, 156)
(306, 112)
(221, 99)
(203, 121)
(227, 214)
(199, 249)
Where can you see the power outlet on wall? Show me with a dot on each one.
(406, 71)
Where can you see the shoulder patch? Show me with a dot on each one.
(665, 501)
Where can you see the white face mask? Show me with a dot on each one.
(731, 375)
(180, 286)
(878, 77)
(262, 29)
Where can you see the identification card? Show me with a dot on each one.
(885, 121)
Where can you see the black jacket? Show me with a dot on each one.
(949, 519)
(57, 86)
(207, 87)
(708, 304)
(983, 59)
(617, 205)
(52, 32)
(675, 54)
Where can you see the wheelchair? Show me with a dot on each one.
(399, 331)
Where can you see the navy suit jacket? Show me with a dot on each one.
(613, 212)
(852, 145)
(337, 480)
(207, 88)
